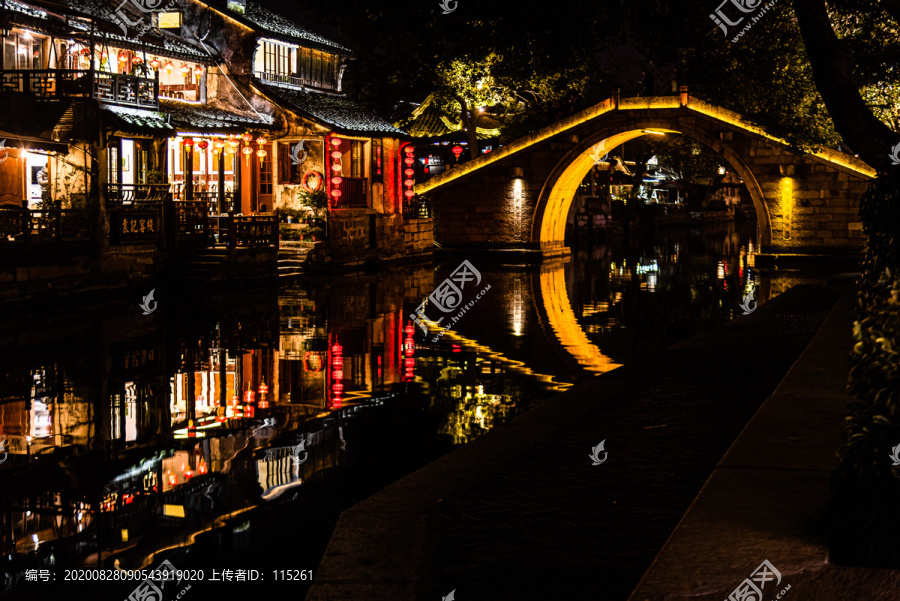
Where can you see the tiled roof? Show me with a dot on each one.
(428, 121)
(200, 117)
(138, 121)
(264, 20)
(339, 112)
(152, 41)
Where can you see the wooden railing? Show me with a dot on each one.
(294, 80)
(193, 223)
(126, 194)
(255, 231)
(22, 225)
(56, 84)
(353, 194)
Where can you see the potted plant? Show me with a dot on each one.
(316, 202)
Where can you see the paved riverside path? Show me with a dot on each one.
(522, 514)
(768, 490)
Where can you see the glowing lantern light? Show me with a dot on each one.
(409, 149)
(409, 183)
(263, 404)
(261, 153)
(154, 63)
(336, 154)
(173, 479)
(247, 152)
(169, 67)
(409, 193)
(457, 150)
(409, 172)
(336, 193)
(137, 60)
(185, 69)
(261, 140)
(247, 137)
(123, 57)
(409, 162)
(337, 180)
(203, 144)
(336, 167)
(188, 475)
(198, 70)
(201, 469)
(335, 141)
(188, 142)
(263, 389)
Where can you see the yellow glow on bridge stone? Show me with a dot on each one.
(553, 225)
(787, 206)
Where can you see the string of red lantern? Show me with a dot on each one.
(409, 172)
(336, 168)
(337, 374)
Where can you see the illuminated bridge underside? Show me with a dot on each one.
(518, 197)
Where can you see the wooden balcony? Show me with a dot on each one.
(294, 80)
(58, 84)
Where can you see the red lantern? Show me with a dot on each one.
(263, 389)
(409, 193)
(198, 70)
(409, 172)
(188, 475)
(336, 193)
(261, 140)
(203, 144)
(154, 62)
(247, 137)
(263, 404)
(335, 141)
(201, 469)
(137, 60)
(123, 57)
(169, 67)
(457, 150)
(185, 69)
(409, 149)
(189, 142)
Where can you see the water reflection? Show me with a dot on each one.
(134, 439)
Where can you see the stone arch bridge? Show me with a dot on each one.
(518, 197)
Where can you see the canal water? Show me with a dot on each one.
(224, 434)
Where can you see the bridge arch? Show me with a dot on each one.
(804, 204)
(555, 198)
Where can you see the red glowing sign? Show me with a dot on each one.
(337, 374)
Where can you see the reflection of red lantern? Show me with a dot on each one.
(263, 389)
(201, 469)
(337, 373)
(457, 150)
(188, 475)
(263, 404)
(173, 479)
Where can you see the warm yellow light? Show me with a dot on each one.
(124, 535)
(174, 511)
(787, 205)
(654, 132)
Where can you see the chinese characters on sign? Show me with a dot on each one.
(137, 226)
(448, 296)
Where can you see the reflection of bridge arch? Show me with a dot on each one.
(518, 196)
(553, 306)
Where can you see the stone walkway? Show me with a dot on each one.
(522, 514)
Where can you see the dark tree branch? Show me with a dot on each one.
(833, 71)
